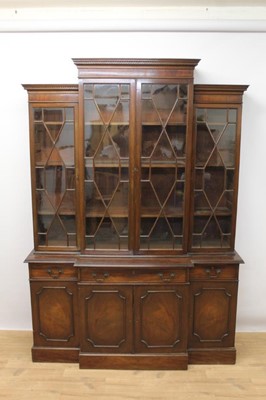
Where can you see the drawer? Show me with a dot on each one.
(214, 272)
(52, 272)
(133, 276)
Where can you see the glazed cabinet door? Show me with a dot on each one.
(54, 187)
(161, 318)
(216, 164)
(164, 119)
(108, 121)
(215, 171)
(136, 163)
(106, 318)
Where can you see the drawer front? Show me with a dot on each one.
(133, 276)
(214, 272)
(52, 272)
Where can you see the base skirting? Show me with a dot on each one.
(65, 355)
(177, 361)
(212, 356)
(134, 361)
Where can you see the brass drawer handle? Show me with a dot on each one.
(213, 272)
(100, 278)
(167, 278)
(55, 273)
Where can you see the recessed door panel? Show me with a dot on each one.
(160, 318)
(106, 319)
(55, 314)
(213, 309)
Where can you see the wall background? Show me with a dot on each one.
(28, 57)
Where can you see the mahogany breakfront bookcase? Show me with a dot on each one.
(134, 193)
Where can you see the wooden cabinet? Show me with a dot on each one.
(213, 303)
(54, 297)
(134, 193)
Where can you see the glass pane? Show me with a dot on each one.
(179, 112)
(177, 137)
(150, 204)
(162, 181)
(119, 203)
(39, 178)
(106, 135)
(226, 145)
(69, 113)
(56, 233)
(65, 144)
(53, 115)
(212, 232)
(102, 234)
(37, 114)
(214, 177)
(43, 144)
(70, 178)
(216, 115)
(230, 174)
(107, 184)
(161, 235)
(55, 176)
(67, 205)
(44, 205)
(53, 130)
(55, 184)
(204, 145)
(175, 201)
(163, 158)
(163, 103)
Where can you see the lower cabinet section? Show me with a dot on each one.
(134, 320)
(213, 310)
(213, 303)
(118, 319)
(130, 321)
(55, 321)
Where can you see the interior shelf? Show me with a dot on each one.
(219, 212)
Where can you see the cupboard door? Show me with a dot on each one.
(54, 170)
(215, 178)
(212, 314)
(160, 319)
(107, 125)
(163, 111)
(55, 314)
(106, 319)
